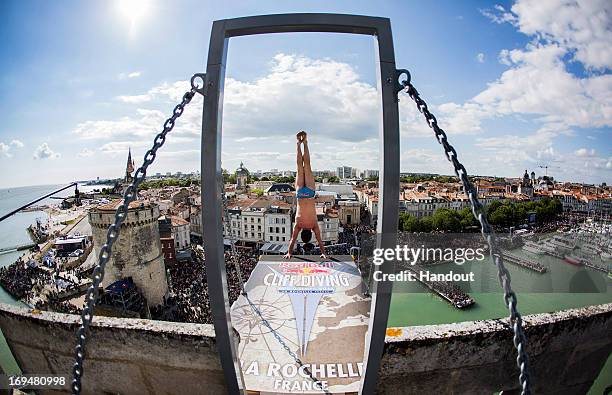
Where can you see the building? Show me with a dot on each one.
(349, 212)
(344, 172)
(242, 177)
(526, 185)
(340, 189)
(195, 221)
(180, 233)
(137, 252)
(129, 168)
(370, 174)
(278, 188)
(329, 225)
(258, 221)
(277, 221)
(167, 241)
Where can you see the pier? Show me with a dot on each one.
(449, 292)
(594, 266)
(523, 262)
(17, 248)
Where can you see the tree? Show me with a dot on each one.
(257, 191)
(333, 179)
(467, 219)
(447, 220)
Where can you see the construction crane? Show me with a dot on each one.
(547, 167)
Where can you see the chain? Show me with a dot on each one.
(112, 234)
(488, 233)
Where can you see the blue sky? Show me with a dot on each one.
(516, 85)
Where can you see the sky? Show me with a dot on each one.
(516, 85)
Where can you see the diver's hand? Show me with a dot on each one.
(324, 256)
(287, 255)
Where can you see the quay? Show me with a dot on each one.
(523, 262)
(594, 266)
(17, 248)
(552, 252)
(452, 294)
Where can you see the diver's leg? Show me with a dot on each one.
(309, 180)
(299, 179)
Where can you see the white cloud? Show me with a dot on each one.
(499, 15)
(585, 152)
(580, 26)
(134, 98)
(133, 74)
(538, 84)
(4, 150)
(45, 152)
(85, 153)
(480, 57)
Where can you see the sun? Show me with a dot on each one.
(133, 10)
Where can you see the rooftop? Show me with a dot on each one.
(112, 206)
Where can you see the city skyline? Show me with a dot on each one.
(514, 88)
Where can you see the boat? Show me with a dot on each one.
(574, 260)
(533, 248)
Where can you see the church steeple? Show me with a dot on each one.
(129, 168)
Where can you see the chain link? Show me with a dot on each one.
(488, 233)
(129, 195)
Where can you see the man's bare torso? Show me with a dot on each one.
(306, 215)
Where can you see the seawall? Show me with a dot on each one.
(567, 350)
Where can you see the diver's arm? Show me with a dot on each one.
(296, 230)
(317, 233)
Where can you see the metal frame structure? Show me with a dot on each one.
(212, 178)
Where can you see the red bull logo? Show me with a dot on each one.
(305, 270)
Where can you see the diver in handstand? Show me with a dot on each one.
(306, 215)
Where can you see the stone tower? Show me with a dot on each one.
(242, 177)
(137, 253)
(129, 168)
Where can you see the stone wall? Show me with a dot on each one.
(128, 356)
(567, 349)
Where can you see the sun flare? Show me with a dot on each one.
(133, 11)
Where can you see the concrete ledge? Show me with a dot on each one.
(123, 355)
(567, 350)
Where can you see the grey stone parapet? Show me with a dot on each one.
(137, 356)
(124, 355)
(567, 351)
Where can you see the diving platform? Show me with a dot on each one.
(314, 307)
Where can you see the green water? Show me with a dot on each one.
(563, 286)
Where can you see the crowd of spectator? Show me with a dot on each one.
(22, 280)
(189, 300)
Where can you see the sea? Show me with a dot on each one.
(410, 305)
